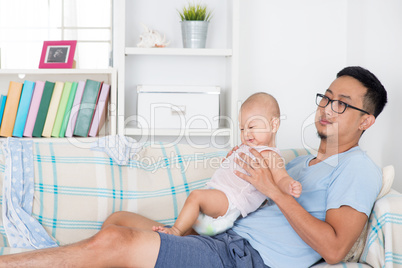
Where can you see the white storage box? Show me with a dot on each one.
(194, 107)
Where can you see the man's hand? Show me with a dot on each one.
(260, 174)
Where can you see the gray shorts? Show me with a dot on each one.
(227, 249)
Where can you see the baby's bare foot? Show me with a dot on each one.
(156, 228)
(167, 230)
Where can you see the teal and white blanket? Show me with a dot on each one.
(384, 241)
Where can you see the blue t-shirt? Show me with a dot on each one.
(350, 178)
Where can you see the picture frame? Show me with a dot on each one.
(58, 54)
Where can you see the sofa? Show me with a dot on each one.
(77, 183)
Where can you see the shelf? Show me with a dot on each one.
(106, 75)
(178, 52)
(175, 65)
(223, 132)
(56, 71)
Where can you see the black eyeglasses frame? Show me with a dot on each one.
(332, 101)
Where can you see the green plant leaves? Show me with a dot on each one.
(195, 12)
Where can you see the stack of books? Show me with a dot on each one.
(54, 109)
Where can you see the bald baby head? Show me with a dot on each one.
(259, 120)
(265, 102)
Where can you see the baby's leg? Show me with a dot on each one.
(211, 202)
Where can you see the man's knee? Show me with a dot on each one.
(108, 237)
(115, 219)
(112, 243)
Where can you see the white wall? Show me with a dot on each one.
(375, 41)
(293, 49)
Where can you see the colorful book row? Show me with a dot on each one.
(54, 109)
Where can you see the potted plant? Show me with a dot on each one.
(194, 25)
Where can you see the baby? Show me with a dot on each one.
(214, 209)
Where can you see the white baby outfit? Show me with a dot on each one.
(243, 197)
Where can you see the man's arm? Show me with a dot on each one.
(332, 238)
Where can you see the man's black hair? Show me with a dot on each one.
(376, 96)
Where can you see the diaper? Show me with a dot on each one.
(206, 225)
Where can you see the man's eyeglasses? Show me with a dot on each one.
(336, 105)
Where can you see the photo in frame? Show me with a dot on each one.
(58, 54)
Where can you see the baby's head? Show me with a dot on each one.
(259, 120)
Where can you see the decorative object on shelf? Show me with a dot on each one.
(194, 25)
(58, 54)
(151, 38)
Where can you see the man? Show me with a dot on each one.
(324, 222)
(339, 185)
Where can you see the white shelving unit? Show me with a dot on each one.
(178, 52)
(215, 65)
(72, 75)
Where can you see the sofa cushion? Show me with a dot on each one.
(77, 188)
(388, 175)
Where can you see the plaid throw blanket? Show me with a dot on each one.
(384, 241)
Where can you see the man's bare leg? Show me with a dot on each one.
(132, 220)
(129, 219)
(113, 246)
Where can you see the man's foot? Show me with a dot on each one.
(172, 230)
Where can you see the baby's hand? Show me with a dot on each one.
(295, 188)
